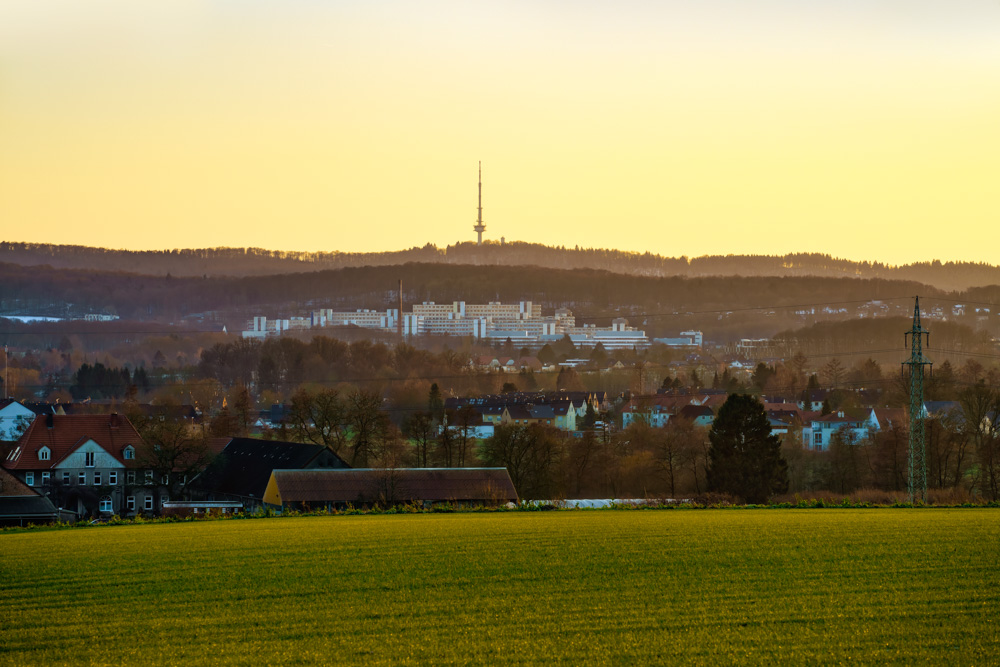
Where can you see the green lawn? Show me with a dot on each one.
(625, 587)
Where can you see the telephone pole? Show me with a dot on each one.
(918, 452)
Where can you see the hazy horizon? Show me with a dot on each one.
(862, 130)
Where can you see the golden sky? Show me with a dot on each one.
(868, 129)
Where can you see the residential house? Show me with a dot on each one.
(652, 414)
(524, 415)
(654, 410)
(813, 399)
(940, 409)
(88, 464)
(701, 415)
(14, 419)
(567, 416)
(851, 426)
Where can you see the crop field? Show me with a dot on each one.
(626, 587)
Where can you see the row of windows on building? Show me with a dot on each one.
(96, 477)
(89, 457)
(106, 505)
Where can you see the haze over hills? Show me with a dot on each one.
(241, 262)
(725, 307)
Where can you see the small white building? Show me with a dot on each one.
(14, 419)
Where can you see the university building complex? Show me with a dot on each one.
(522, 323)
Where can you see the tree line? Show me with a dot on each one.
(259, 261)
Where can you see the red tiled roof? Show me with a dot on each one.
(670, 403)
(843, 416)
(63, 434)
(12, 486)
(692, 412)
(891, 416)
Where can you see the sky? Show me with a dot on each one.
(866, 129)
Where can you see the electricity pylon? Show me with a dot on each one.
(918, 452)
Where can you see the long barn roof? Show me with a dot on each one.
(368, 485)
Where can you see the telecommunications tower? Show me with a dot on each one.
(918, 453)
(480, 227)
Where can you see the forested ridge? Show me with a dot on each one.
(658, 303)
(258, 261)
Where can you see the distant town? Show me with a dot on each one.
(131, 397)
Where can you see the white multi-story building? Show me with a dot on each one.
(495, 321)
(261, 327)
(367, 319)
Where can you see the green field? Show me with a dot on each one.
(624, 587)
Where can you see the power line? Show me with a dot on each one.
(472, 375)
(675, 313)
(963, 301)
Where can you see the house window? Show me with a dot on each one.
(89, 459)
(149, 477)
(818, 438)
(29, 478)
(43, 454)
(148, 503)
(45, 478)
(97, 479)
(130, 477)
(106, 504)
(165, 479)
(82, 479)
(113, 478)
(129, 453)
(130, 503)
(66, 478)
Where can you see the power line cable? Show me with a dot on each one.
(675, 313)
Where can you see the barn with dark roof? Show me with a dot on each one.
(243, 469)
(362, 487)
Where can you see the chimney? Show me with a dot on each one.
(49, 421)
(114, 420)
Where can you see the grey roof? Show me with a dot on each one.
(541, 411)
(941, 407)
(27, 506)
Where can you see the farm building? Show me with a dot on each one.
(243, 469)
(361, 487)
(21, 505)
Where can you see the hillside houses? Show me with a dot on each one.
(564, 410)
(657, 409)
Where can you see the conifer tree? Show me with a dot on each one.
(744, 458)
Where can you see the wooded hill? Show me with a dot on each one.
(256, 261)
(723, 307)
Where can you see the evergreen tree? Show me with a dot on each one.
(435, 404)
(744, 458)
(546, 355)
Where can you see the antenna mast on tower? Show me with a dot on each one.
(480, 227)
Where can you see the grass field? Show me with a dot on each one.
(625, 587)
